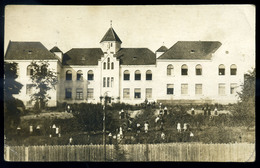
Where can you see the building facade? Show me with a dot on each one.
(188, 72)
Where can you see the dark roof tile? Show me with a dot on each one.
(82, 56)
(28, 51)
(191, 50)
(162, 49)
(136, 56)
(55, 49)
(111, 36)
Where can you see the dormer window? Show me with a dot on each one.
(192, 51)
(83, 59)
(134, 58)
(29, 52)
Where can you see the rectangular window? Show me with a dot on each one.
(126, 76)
(137, 93)
(90, 76)
(170, 89)
(79, 77)
(137, 76)
(90, 93)
(108, 82)
(104, 82)
(233, 71)
(29, 88)
(221, 71)
(112, 81)
(184, 71)
(184, 89)
(148, 93)
(68, 93)
(79, 93)
(198, 89)
(233, 87)
(108, 65)
(126, 93)
(221, 89)
(148, 76)
(198, 71)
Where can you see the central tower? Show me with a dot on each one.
(110, 43)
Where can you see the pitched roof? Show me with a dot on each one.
(162, 49)
(136, 56)
(55, 49)
(111, 36)
(28, 51)
(82, 56)
(191, 50)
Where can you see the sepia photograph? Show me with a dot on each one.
(129, 83)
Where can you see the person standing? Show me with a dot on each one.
(185, 127)
(146, 125)
(192, 111)
(179, 127)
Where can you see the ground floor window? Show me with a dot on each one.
(233, 87)
(221, 89)
(184, 89)
(137, 93)
(90, 93)
(104, 81)
(170, 89)
(198, 89)
(79, 93)
(68, 93)
(29, 88)
(126, 93)
(148, 93)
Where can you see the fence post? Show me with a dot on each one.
(7, 154)
(26, 155)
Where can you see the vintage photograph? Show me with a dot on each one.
(129, 83)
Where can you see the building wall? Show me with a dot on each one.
(25, 80)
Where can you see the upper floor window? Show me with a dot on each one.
(108, 81)
(104, 81)
(170, 69)
(137, 75)
(112, 65)
(79, 75)
(108, 63)
(184, 69)
(233, 69)
(29, 70)
(104, 65)
(68, 75)
(90, 75)
(126, 75)
(149, 75)
(221, 69)
(44, 70)
(198, 69)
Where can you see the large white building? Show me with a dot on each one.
(188, 72)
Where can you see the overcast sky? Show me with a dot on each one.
(137, 26)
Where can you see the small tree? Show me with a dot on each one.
(44, 79)
(244, 110)
(11, 113)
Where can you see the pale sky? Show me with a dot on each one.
(137, 26)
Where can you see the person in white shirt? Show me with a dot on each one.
(179, 127)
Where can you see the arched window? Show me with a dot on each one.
(184, 69)
(170, 69)
(90, 75)
(108, 63)
(137, 75)
(233, 69)
(149, 75)
(112, 65)
(126, 75)
(104, 65)
(79, 75)
(68, 75)
(29, 70)
(198, 69)
(221, 69)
